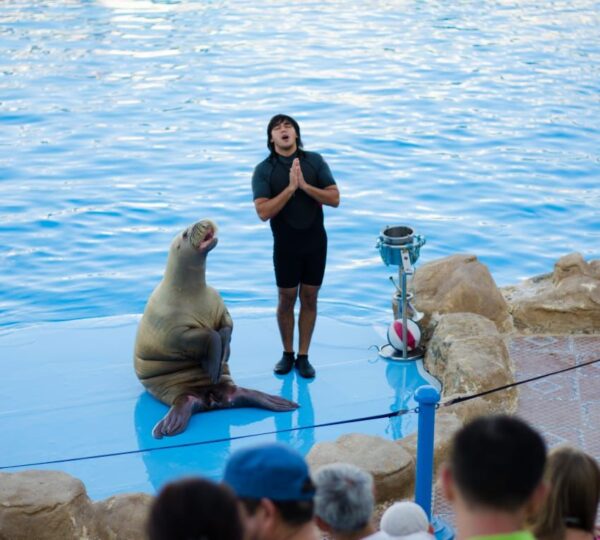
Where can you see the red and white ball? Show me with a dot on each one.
(413, 335)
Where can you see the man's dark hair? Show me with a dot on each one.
(294, 513)
(497, 462)
(274, 122)
(194, 508)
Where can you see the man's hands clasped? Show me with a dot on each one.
(296, 177)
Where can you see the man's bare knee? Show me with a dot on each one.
(287, 299)
(308, 297)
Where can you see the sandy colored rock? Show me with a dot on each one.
(44, 505)
(458, 284)
(123, 517)
(468, 356)
(574, 265)
(455, 327)
(392, 467)
(567, 301)
(473, 365)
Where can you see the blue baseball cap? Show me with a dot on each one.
(272, 471)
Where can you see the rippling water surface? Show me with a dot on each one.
(476, 123)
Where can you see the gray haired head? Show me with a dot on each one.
(344, 498)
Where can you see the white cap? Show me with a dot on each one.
(415, 536)
(404, 520)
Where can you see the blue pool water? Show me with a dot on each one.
(122, 121)
(477, 124)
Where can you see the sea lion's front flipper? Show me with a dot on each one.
(245, 397)
(205, 345)
(217, 353)
(213, 366)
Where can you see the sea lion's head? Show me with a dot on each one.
(197, 239)
(202, 235)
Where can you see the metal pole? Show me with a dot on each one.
(427, 397)
(404, 316)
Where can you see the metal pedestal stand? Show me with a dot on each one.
(401, 247)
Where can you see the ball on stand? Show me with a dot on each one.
(413, 335)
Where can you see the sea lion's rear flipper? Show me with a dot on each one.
(245, 397)
(176, 420)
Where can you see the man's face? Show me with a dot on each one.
(284, 136)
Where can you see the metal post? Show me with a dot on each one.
(427, 397)
(404, 317)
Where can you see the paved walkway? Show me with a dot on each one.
(565, 407)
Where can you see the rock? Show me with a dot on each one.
(44, 505)
(564, 302)
(573, 265)
(468, 356)
(123, 517)
(474, 364)
(392, 467)
(458, 284)
(457, 327)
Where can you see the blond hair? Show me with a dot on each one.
(572, 502)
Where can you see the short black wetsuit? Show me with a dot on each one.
(300, 241)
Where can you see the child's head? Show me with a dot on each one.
(405, 520)
(574, 480)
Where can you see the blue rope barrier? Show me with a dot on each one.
(392, 414)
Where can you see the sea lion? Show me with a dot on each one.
(182, 343)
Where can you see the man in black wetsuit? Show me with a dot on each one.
(290, 188)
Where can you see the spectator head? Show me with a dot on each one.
(194, 508)
(574, 493)
(406, 520)
(496, 464)
(344, 501)
(273, 484)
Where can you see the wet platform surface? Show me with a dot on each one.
(70, 401)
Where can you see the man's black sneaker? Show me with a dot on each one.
(284, 365)
(304, 367)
